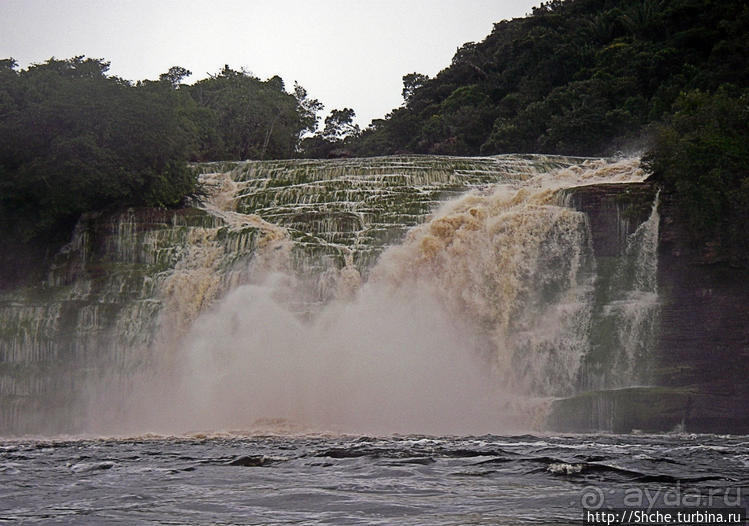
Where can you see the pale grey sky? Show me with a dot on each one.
(346, 53)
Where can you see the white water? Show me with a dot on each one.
(467, 326)
(275, 309)
(636, 314)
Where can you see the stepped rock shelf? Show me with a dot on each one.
(641, 319)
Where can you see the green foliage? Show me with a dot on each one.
(74, 139)
(307, 109)
(248, 118)
(701, 155)
(579, 77)
(175, 75)
(334, 138)
(340, 124)
(590, 77)
(411, 83)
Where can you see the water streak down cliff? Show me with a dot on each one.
(424, 294)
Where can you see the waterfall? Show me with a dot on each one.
(415, 293)
(626, 310)
(636, 313)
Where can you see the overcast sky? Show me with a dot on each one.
(346, 53)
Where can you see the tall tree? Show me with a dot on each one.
(340, 125)
(175, 76)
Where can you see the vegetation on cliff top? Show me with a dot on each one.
(74, 139)
(583, 77)
(580, 77)
(592, 77)
(701, 155)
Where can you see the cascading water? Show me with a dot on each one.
(295, 295)
(636, 314)
(625, 310)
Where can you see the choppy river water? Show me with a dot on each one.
(345, 479)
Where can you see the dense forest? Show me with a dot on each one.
(597, 77)
(580, 77)
(75, 139)
(583, 77)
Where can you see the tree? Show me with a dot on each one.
(76, 140)
(340, 125)
(175, 75)
(307, 108)
(411, 83)
(582, 77)
(252, 119)
(700, 155)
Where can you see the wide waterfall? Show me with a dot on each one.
(396, 294)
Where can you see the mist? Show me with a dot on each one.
(472, 324)
(392, 360)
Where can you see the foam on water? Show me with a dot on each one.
(414, 294)
(463, 327)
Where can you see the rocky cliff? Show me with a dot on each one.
(695, 378)
(589, 292)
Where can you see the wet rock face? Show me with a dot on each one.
(660, 333)
(623, 220)
(614, 211)
(699, 361)
(648, 409)
(96, 305)
(128, 276)
(704, 331)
